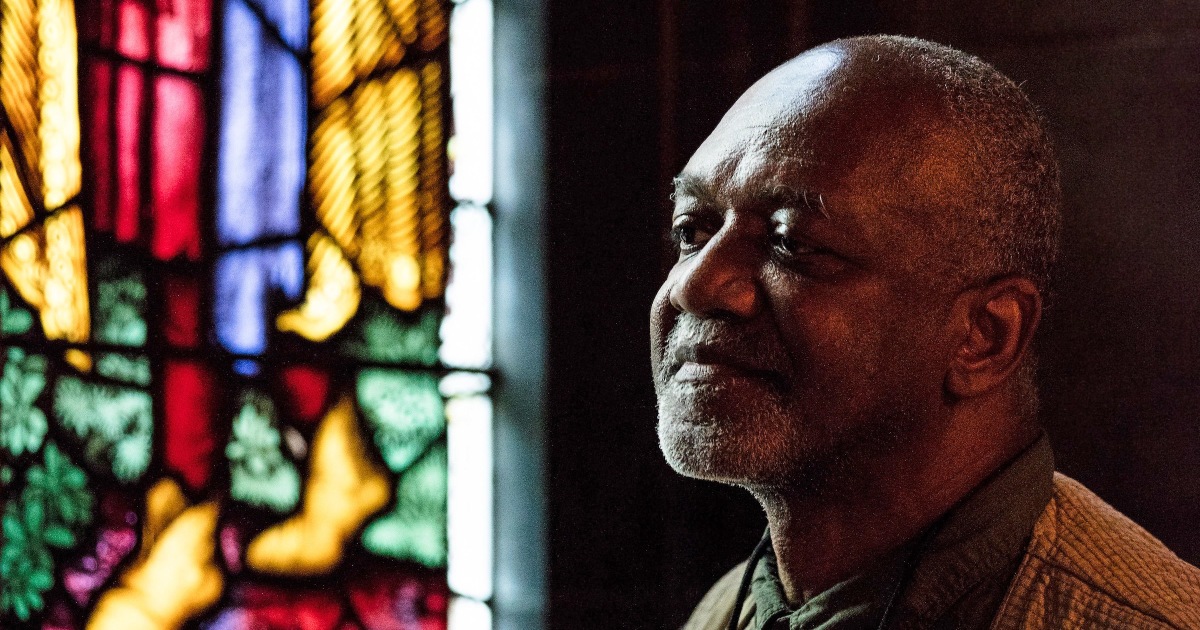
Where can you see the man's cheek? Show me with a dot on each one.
(662, 318)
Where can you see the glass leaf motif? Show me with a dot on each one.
(120, 303)
(115, 424)
(260, 474)
(52, 512)
(415, 529)
(131, 369)
(22, 423)
(14, 320)
(61, 488)
(384, 335)
(405, 411)
(25, 561)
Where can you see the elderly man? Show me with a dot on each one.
(864, 248)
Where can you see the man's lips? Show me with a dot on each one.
(694, 372)
(706, 361)
(708, 371)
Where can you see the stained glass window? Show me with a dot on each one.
(245, 314)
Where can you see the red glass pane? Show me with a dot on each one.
(393, 601)
(178, 148)
(98, 98)
(179, 36)
(263, 607)
(181, 327)
(307, 388)
(133, 39)
(129, 111)
(183, 34)
(189, 394)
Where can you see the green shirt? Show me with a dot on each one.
(959, 578)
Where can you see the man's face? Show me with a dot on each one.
(800, 327)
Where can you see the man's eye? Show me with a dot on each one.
(688, 237)
(788, 246)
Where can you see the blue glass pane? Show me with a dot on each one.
(262, 136)
(289, 17)
(246, 282)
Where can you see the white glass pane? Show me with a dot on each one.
(469, 440)
(467, 328)
(471, 90)
(464, 383)
(468, 614)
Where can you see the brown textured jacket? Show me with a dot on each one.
(1086, 566)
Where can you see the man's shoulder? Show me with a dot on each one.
(712, 613)
(1089, 564)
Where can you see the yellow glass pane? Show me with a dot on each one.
(332, 297)
(405, 14)
(58, 126)
(434, 27)
(344, 489)
(433, 198)
(332, 52)
(19, 77)
(46, 264)
(15, 209)
(38, 89)
(377, 173)
(175, 577)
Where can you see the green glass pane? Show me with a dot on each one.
(22, 424)
(115, 424)
(59, 488)
(131, 369)
(25, 560)
(120, 304)
(259, 473)
(416, 528)
(405, 411)
(381, 333)
(14, 320)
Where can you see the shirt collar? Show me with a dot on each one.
(980, 536)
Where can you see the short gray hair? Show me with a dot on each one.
(1014, 220)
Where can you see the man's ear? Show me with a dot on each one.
(999, 320)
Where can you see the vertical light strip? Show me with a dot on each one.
(471, 90)
(468, 614)
(469, 440)
(467, 328)
(466, 331)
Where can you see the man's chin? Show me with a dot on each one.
(710, 451)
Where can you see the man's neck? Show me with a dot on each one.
(821, 539)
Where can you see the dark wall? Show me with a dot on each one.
(634, 87)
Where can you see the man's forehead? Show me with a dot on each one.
(785, 92)
(748, 174)
(830, 120)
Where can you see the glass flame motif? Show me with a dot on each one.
(244, 374)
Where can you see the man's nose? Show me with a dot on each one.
(719, 281)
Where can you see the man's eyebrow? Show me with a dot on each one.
(786, 196)
(694, 187)
(777, 195)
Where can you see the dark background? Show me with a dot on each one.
(634, 87)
